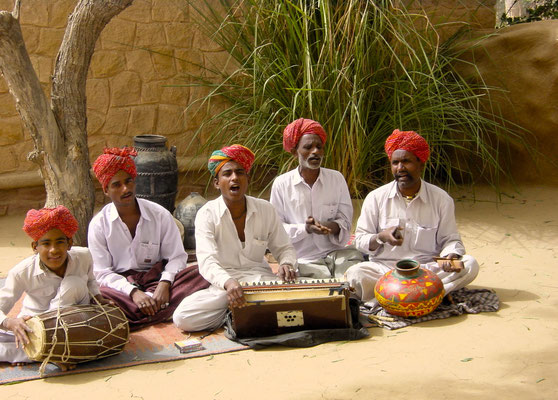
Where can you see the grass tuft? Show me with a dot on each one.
(361, 68)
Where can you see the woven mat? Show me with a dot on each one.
(465, 301)
(149, 345)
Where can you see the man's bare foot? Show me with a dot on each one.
(65, 366)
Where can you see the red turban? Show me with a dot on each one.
(112, 161)
(39, 222)
(302, 126)
(240, 154)
(410, 141)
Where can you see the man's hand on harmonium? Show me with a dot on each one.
(287, 273)
(235, 294)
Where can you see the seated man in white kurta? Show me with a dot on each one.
(409, 218)
(139, 259)
(232, 235)
(314, 205)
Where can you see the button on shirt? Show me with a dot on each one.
(429, 222)
(220, 253)
(41, 285)
(327, 199)
(115, 251)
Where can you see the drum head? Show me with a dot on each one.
(37, 339)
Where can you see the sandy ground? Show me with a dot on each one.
(510, 354)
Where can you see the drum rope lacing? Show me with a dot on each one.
(54, 341)
(65, 326)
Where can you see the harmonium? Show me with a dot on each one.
(274, 307)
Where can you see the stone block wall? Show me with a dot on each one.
(136, 85)
(480, 14)
(137, 82)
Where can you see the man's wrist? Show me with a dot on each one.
(289, 266)
(228, 282)
(379, 240)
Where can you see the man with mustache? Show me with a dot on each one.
(314, 205)
(232, 235)
(409, 218)
(138, 255)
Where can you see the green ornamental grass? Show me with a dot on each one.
(361, 68)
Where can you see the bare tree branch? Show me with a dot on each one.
(59, 129)
(25, 87)
(85, 25)
(17, 7)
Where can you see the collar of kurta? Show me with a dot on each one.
(38, 270)
(113, 212)
(297, 178)
(422, 193)
(222, 207)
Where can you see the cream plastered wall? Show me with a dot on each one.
(136, 83)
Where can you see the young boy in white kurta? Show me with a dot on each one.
(57, 275)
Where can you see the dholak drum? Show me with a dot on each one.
(78, 334)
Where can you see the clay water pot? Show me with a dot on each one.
(186, 212)
(409, 290)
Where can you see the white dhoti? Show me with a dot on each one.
(8, 351)
(206, 309)
(363, 276)
(202, 310)
(333, 265)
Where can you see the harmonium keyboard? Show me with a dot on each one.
(276, 307)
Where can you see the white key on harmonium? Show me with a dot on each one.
(298, 284)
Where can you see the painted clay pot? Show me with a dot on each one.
(409, 290)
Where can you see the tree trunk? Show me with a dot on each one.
(59, 130)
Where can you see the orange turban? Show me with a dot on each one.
(39, 222)
(240, 154)
(302, 126)
(409, 141)
(113, 160)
